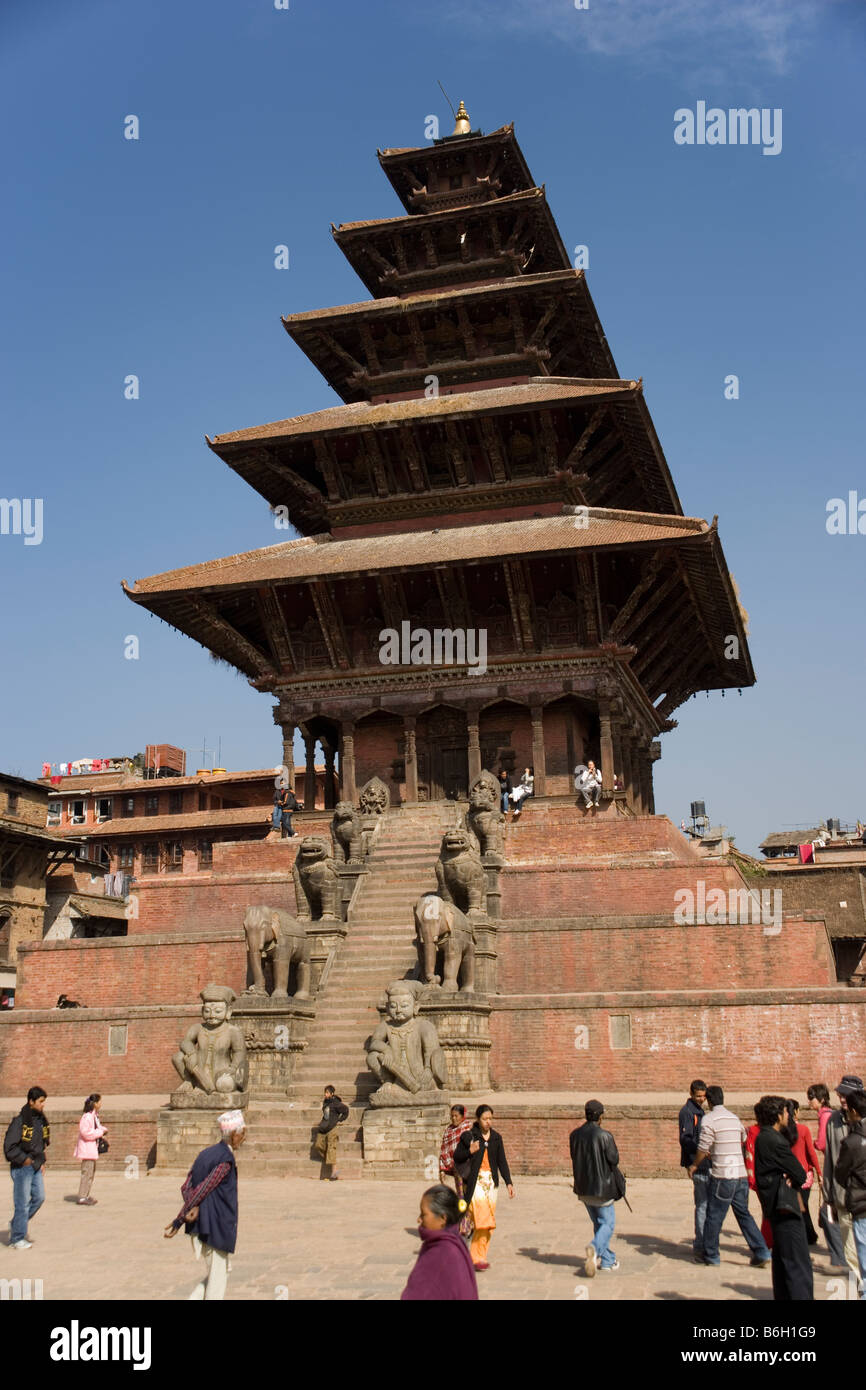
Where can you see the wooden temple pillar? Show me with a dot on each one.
(474, 746)
(411, 760)
(310, 770)
(645, 778)
(287, 730)
(607, 749)
(654, 754)
(330, 753)
(347, 762)
(628, 772)
(539, 762)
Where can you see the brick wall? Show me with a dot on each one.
(604, 890)
(545, 956)
(131, 1134)
(377, 744)
(66, 1050)
(112, 972)
(536, 1137)
(243, 872)
(550, 833)
(776, 1041)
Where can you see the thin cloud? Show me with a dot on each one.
(766, 33)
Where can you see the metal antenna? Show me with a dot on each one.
(447, 98)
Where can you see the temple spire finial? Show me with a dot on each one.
(463, 125)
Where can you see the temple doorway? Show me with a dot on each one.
(443, 755)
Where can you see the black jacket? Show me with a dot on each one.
(495, 1156)
(690, 1117)
(851, 1169)
(774, 1161)
(333, 1114)
(28, 1136)
(285, 799)
(594, 1156)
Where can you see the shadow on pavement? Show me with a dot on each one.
(533, 1253)
(750, 1291)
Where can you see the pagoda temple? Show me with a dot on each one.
(488, 472)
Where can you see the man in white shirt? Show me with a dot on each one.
(722, 1138)
(587, 781)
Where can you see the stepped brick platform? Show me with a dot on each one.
(599, 992)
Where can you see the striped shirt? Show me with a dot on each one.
(723, 1136)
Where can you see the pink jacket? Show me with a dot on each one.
(89, 1130)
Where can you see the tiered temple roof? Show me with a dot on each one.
(489, 467)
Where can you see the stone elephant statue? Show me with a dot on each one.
(274, 933)
(442, 930)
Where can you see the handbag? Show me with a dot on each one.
(102, 1146)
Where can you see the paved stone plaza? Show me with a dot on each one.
(302, 1239)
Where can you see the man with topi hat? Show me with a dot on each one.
(210, 1206)
(833, 1191)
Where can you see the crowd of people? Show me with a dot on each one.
(776, 1158)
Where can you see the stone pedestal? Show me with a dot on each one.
(275, 1033)
(349, 874)
(463, 1024)
(484, 930)
(492, 872)
(182, 1134)
(325, 939)
(403, 1141)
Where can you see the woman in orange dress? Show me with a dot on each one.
(482, 1149)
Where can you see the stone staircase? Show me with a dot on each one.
(379, 948)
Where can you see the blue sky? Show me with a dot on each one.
(260, 127)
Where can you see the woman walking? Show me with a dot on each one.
(800, 1139)
(90, 1131)
(443, 1270)
(484, 1152)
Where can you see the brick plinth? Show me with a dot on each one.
(109, 972)
(768, 1040)
(66, 1050)
(551, 956)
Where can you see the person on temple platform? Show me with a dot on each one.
(587, 782)
(524, 788)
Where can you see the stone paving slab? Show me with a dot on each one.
(302, 1239)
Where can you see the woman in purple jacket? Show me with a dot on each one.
(443, 1270)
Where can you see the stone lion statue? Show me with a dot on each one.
(484, 818)
(346, 830)
(460, 873)
(317, 887)
(275, 934)
(442, 930)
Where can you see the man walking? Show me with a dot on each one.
(834, 1193)
(24, 1145)
(210, 1207)
(778, 1179)
(690, 1120)
(594, 1157)
(334, 1112)
(850, 1173)
(722, 1138)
